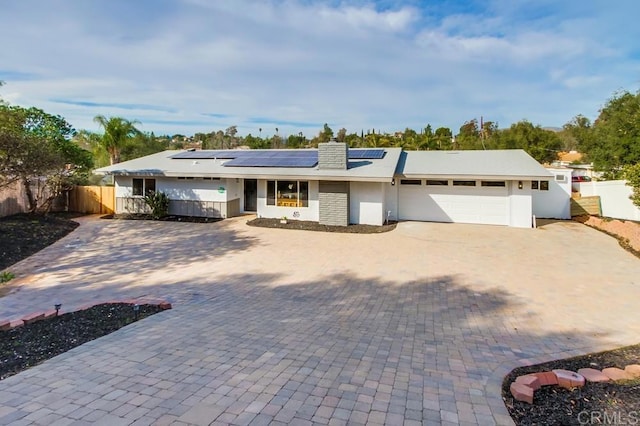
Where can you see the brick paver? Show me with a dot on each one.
(281, 327)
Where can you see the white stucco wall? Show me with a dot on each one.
(303, 213)
(614, 198)
(366, 203)
(520, 204)
(556, 202)
(391, 200)
(179, 189)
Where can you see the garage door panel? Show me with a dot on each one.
(454, 204)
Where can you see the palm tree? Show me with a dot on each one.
(117, 131)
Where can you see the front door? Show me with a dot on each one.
(250, 195)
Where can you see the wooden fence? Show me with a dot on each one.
(92, 199)
(586, 206)
(81, 199)
(13, 200)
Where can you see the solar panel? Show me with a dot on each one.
(255, 161)
(366, 154)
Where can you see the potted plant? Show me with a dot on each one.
(283, 220)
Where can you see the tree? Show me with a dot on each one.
(632, 176)
(142, 144)
(342, 133)
(578, 133)
(615, 141)
(36, 150)
(541, 144)
(326, 134)
(469, 136)
(443, 137)
(230, 135)
(117, 132)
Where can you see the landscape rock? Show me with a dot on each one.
(529, 380)
(522, 392)
(615, 374)
(569, 379)
(594, 376)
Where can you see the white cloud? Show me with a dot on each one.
(350, 64)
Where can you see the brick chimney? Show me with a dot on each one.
(332, 155)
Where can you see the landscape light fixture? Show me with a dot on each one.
(136, 309)
(57, 306)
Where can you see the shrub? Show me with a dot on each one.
(158, 202)
(6, 276)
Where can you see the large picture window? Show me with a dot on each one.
(287, 193)
(142, 187)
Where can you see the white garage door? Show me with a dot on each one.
(461, 204)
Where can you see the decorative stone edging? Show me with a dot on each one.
(523, 387)
(43, 315)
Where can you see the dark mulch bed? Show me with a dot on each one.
(315, 226)
(29, 345)
(24, 235)
(553, 405)
(170, 218)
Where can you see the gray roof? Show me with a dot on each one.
(491, 164)
(160, 164)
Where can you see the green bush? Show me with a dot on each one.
(6, 276)
(158, 202)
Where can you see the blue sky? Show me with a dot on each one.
(186, 66)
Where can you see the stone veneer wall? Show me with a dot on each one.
(333, 198)
(332, 155)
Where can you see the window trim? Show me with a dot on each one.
(297, 203)
(144, 186)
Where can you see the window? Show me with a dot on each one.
(534, 184)
(464, 183)
(185, 178)
(437, 182)
(544, 185)
(410, 182)
(561, 178)
(287, 193)
(143, 187)
(493, 183)
(138, 187)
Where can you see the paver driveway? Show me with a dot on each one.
(288, 327)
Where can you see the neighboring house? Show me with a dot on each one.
(335, 185)
(574, 161)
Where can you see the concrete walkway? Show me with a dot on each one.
(415, 326)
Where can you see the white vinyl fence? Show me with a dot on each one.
(614, 198)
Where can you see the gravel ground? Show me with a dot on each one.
(627, 232)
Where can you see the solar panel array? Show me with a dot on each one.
(272, 158)
(299, 161)
(366, 154)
